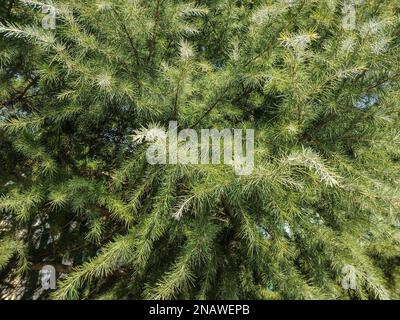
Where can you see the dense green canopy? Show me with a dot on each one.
(319, 83)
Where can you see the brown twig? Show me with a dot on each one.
(58, 266)
(21, 94)
(152, 42)
(130, 39)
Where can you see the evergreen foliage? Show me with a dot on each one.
(324, 194)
